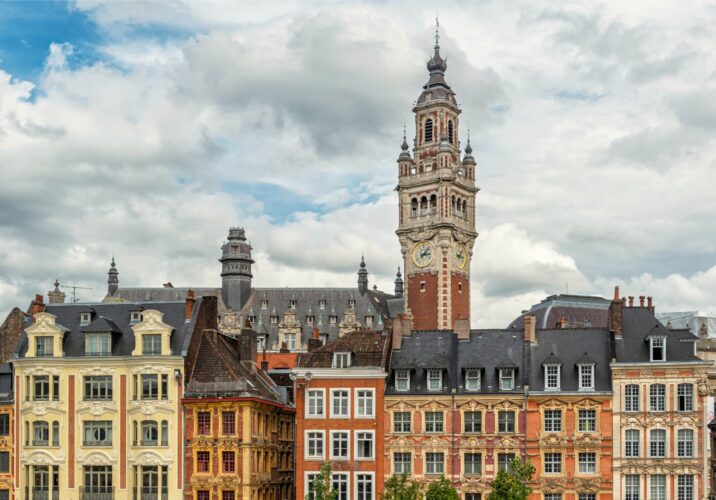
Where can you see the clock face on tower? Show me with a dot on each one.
(460, 255)
(423, 254)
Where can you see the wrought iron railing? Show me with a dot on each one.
(42, 494)
(148, 493)
(96, 493)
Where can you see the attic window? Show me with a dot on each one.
(251, 319)
(551, 377)
(323, 337)
(369, 321)
(586, 377)
(321, 304)
(264, 304)
(292, 304)
(351, 303)
(472, 380)
(507, 379)
(135, 317)
(274, 320)
(260, 342)
(85, 318)
(341, 360)
(333, 319)
(309, 320)
(657, 347)
(435, 380)
(402, 380)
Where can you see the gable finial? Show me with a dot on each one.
(437, 33)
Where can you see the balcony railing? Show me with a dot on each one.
(97, 443)
(96, 493)
(146, 493)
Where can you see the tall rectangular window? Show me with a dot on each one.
(685, 487)
(551, 377)
(402, 380)
(434, 421)
(631, 487)
(314, 444)
(552, 463)
(507, 379)
(685, 443)
(41, 387)
(150, 386)
(473, 422)
(340, 484)
(98, 344)
(587, 462)
(473, 464)
(587, 421)
(506, 421)
(98, 480)
(504, 461)
(228, 422)
(314, 407)
(340, 399)
(4, 462)
(228, 461)
(339, 445)
(657, 397)
(553, 420)
(4, 424)
(151, 344)
(401, 421)
(364, 487)
(364, 445)
(658, 348)
(402, 463)
(586, 377)
(365, 404)
(202, 461)
(657, 443)
(631, 397)
(203, 422)
(435, 380)
(631, 443)
(685, 396)
(341, 360)
(472, 380)
(657, 487)
(44, 347)
(434, 463)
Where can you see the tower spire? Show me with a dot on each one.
(437, 34)
(362, 276)
(112, 279)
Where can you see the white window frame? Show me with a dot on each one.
(552, 420)
(587, 419)
(652, 441)
(552, 377)
(410, 422)
(656, 494)
(356, 447)
(627, 397)
(342, 477)
(473, 374)
(307, 479)
(629, 493)
(356, 481)
(85, 318)
(436, 453)
(306, 453)
(347, 399)
(627, 454)
(410, 455)
(260, 342)
(690, 396)
(682, 488)
(553, 463)
(652, 345)
(588, 464)
(657, 398)
(431, 379)
(442, 422)
(402, 375)
(464, 421)
(341, 360)
(358, 397)
(307, 399)
(464, 463)
(347, 441)
(586, 370)
(290, 339)
(504, 378)
(690, 443)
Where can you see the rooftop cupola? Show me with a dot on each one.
(468, 159)
(112, 280)
(404, 149)
(398, 284)
(362, 277)
(236, 269)
(437, 88)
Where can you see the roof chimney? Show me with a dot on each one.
(616, 293)
(615, 314)
(562, 324)
(247, 345)
(650, 304)
(189, 305)
(530, 322)
(641, 300)
(462, 328)
(37, 305)
(631, 301)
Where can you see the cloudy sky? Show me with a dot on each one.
(145, 130)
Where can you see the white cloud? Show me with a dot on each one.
(591, 127)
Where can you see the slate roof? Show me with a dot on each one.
(217, 371)
(579, 311)
(638, 323)
(116, 317)
(369, 349)
(569, 347)
(486, 350)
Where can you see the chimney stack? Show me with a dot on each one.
(37, 305)
(631, 301)
(462, 329)
(402, 326)
(530, 335)
(615, 314)
(315, 341)
(56, 296)
(641, 300)
(189, 305)
(650, 304)
(247, 345)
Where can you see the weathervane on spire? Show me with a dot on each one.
(437, 33)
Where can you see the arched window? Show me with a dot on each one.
(423, 205)
(453, 204)
(464, 208)
(414, 207)
(429, 130)
(433, 203)
(451, 134)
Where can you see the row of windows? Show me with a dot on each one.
(311, 319)
(97, 387)
(435, 422)
(99, 344)
(420, 207)
(203, 461)
(339, 445)
(473, 379)
(553, 379)
(658, 443)
(292, 304)
(657, 487)
(364, 401)
(429, 136)
(86, 317)
(206, 495)
(586, 463)
(657, 397)
(586, 420)
(435, 463)
(364, 485)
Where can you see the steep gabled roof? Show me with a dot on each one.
(369, 349)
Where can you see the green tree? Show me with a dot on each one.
(511, 484)
(441, 490)
(323, 485)
(399, 488)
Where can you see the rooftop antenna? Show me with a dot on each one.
(74, 291)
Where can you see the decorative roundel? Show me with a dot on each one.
(423, 254)
(460, 255)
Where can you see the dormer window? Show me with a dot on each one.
(136, 317)
(97, 344)
(341, 360)
(333, 319)
(251, 319)
(260, 342)
(274, 320)
(44, 347)
(507, 379)
(369, 321)
(85, 318)
(309, 320)
(290, 339)
(323, 337)
(351, 303)
(435, 380)
(151, 344)
(472, 380)
(586, 377)
(321, 304)
(264, 304)
(402, 380)
(292, 304)
(657, 347)
(551, 377)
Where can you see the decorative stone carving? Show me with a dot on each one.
(587, 440)
(40, 408)
(149, 407)
(97, 408)
(97, 458)
(41, 457)
(553, 440)
(97, 370)
(150, 369)
(553, 484)
(43, 370)
(587, 485)
(421, 235)
(151, 458)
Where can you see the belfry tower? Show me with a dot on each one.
(436, 192)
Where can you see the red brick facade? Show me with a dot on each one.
(423, 300)
(460, 304)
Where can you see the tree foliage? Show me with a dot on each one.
(400, 488)
(511, 484)
(441, 490)
(323, 485)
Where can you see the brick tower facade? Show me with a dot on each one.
(437, 191)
